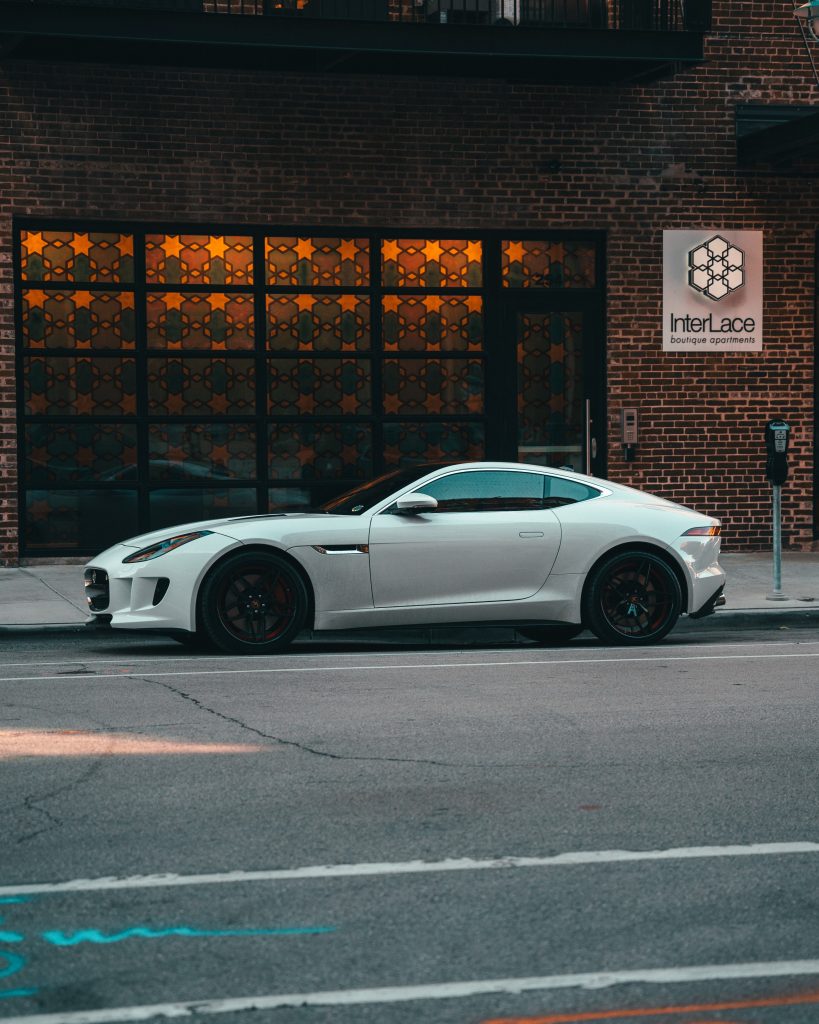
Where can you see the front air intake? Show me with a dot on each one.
(161, 589)
(96, 589)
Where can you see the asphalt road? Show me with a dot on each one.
(445, 835)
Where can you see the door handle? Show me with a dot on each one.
(530, 533)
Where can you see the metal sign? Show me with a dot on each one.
(712, 291)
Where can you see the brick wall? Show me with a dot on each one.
(177, 144)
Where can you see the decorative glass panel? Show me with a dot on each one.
(415, 323)
(433, 386)
(209, 386)
(201, 451)
(432, 442)
(431, 263)
(78, 319)
(308, 262)
(190, 504)
(318, 322)
(281, 499)
(199, 259)
(65, 452)
(86, 256)
(215, 320)
(319, 386)
(545, 264)
(68, 385)
(320, 451)
(84, 519)
(550, 388)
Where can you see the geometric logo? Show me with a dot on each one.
(717, 268)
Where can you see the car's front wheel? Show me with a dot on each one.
(633, 597)
(253, 603)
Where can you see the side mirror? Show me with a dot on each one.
(413, 504)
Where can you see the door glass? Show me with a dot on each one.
(492, 491)
(550, 389)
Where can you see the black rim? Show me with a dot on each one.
(638, 597)
(257, 603)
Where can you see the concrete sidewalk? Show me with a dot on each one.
(51, 596)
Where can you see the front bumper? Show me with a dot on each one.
(159, 594)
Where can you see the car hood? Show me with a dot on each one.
(234, 527)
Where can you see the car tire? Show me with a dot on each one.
(557, 634)
(253, 603)
(632, 597)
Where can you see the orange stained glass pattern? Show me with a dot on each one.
(547, 264)
(81, 385)
(414, 323)
(320, 451)
(84, 519)
(82, 450)
(188, 385)
(99, 257)
(406, 443)
(78, 319)
(319, 386)
(199, 259)
(433, 386)
(308, 323)
(431, 263)
(312, 262)
(201, 451)
(216, 320)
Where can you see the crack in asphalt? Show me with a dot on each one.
(53, 822)
(304, 748)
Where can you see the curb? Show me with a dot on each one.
(24, 628)
(783, 618)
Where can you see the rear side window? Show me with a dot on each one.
(560, 491)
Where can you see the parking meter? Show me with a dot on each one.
(776, 446)
(776, 470)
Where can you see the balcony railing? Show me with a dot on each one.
(619, 15)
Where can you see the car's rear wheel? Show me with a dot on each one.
(253, 603)
(557, 634)
(633, 597)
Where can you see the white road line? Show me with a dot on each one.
(414, 667)
(446, 990)
(411, 867)
(197, 659)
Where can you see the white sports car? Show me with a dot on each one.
(549, 551)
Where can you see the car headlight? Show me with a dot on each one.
(162, 547)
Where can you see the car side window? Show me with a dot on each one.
(487, 491)
(560, 491)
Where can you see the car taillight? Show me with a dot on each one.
(703, 531)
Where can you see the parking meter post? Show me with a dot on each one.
(777, 594)
(776, 470)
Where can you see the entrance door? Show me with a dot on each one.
(554, 393)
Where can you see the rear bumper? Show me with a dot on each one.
(716, 600)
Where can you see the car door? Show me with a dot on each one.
(490, 539)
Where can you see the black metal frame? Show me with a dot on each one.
(500, 403)
(635, 39)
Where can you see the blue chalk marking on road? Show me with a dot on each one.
(13, 964)
(93, 935)
(15, 899)
(11, 937)
(18, 993)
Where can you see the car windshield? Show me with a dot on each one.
(360, 499)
